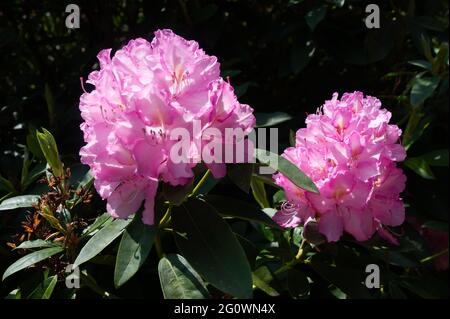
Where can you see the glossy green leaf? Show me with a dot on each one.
(232, 207)
(19, 202)
(179, 280)
(50, 150)
(423, 87)
(424, 64)
(101, 240)
(249, 248)
(420, 166)
(6, 185)
(34, 174)
(31, 259)
(262, 279)
(259, 192)
(45, 289)
(278, 197)
(15, 294)
(437, 158)
(210, 246)
(177, 194)
(348, 280)
(101, 221)
(134, 247)
(241, 175)
(271, 119)
(288, 169)
(315, 16)
(301, 53)
(33, 144)
(38, 243)
(428, 287)
(87, 181)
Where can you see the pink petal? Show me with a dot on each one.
(331, 225)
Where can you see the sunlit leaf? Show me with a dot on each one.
(19, 202)
(31, 259)
(101, 240)
(179, 280)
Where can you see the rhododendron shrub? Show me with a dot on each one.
(180, 190)
(349, 150)
(142, 93)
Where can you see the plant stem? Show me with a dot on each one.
(166, 218)
(298, 258)
(162, 224)
(200, 183)
(432, 257)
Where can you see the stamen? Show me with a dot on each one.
(82, 85)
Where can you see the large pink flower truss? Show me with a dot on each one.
(141, 94)
(349, 151)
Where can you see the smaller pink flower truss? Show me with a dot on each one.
(349, 151)
(143, 93)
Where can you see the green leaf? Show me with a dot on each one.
(289, 170)
(423, 87)
(424, 64)
(100, 221)
(232, 207)
(347, 280)
(33, 144)
(249, 248)
(38, 243)
(50, 150)
(420, 166)
(34, 174)
(315, 16)
(87, 181)
(398, 259)
(259, 192)
(262, 279)
(241, 175)
(31, 259)
(177, 194)
(208, 185)
(45, 289)
(428, 287)
(300, 55)
(179, 280)
(25, 167)
(6, 185)
(339, 3)
(101, 240)
(15, 294)
(415, 128)
(279, 197)
(395, 292)
(88, 281)
(271, 119)
(297, 236)
(19, 202)
(437, 158)
(134, 247)
(210, 246)
(437, 225)
(298, 284)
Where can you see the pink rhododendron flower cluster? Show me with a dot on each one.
(349, 151)
(141, 94)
